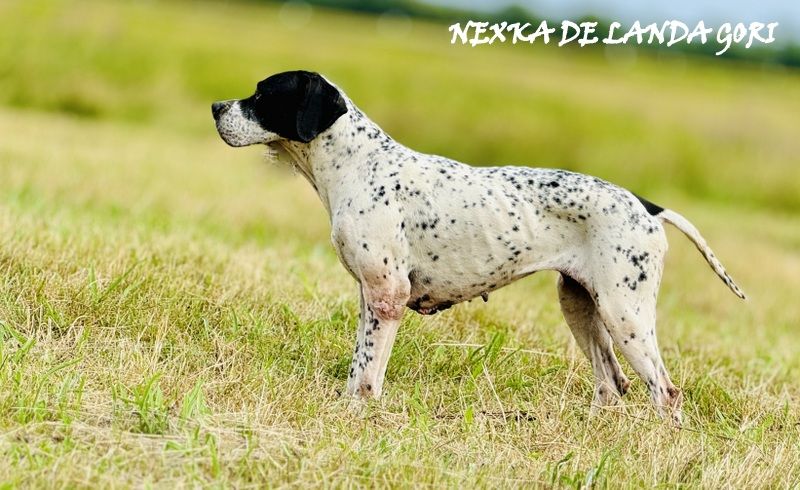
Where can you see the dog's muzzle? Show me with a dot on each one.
(220, 108)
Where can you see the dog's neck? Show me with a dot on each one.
(337, 154)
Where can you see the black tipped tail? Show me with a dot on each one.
(694, 235)
(690, 231)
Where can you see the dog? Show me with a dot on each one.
(425, 232)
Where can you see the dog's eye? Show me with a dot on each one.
(256, 96)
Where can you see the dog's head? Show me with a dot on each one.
(294, 105)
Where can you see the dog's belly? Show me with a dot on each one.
(438, 286)
(478, 259)
(429, 296)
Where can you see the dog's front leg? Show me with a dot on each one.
(381, 311)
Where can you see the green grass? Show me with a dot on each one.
(171, 313)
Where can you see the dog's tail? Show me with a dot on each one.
(690, 231)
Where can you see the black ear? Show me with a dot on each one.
(320, 106)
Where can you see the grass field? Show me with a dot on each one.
(171, 313)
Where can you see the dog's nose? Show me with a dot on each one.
(217, 108)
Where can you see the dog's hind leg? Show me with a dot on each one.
(593, 339)
(633, 331)
(628, 309)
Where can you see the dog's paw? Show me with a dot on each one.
(353, 405)
(677, 420)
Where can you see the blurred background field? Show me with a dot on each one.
(171, 312)
(711, 130)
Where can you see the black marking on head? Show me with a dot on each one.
(653, 209)
(297, 105)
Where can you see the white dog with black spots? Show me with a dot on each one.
(425, 232)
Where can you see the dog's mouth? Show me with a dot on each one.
(230, 136)
(231, 142)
